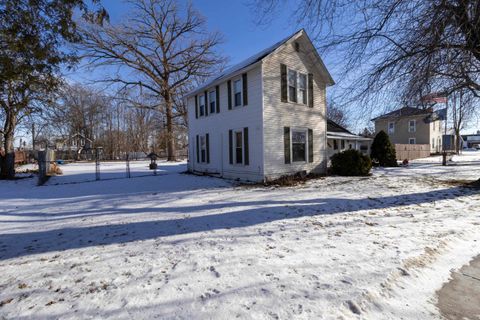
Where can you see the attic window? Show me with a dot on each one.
(297, 46)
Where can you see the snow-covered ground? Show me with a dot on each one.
(178, 246)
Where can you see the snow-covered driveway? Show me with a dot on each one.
(187, 247)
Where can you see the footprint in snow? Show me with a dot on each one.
(209, 294)
(214, 271)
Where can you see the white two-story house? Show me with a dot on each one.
(264, 117)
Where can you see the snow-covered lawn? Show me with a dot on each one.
(178, 246)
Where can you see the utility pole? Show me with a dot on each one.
(33, 136)
(444, 154)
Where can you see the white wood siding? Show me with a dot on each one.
(278, 115)
(217, 126)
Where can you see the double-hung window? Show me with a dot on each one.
(412, 126)
(299, 145)
(212, 98)
(237, 92)
(201, 105)
(391, 127)
(292, 86)
(412, 141)
(302, 88)
(203, 149)
(238, 136)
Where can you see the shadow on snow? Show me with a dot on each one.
(21, 244)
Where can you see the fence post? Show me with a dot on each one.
(42, 168)
(97, 164)
(128, 165)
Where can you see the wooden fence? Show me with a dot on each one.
(20, 156)
(412, 151)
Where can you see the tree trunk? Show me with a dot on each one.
(170, 142)
(7, 161)
(457, 141)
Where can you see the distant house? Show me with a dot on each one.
(77, 142)
(340, 139)
(471, 140)
(264, 117)
(412, 126)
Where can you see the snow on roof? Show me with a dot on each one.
(336, 131)
(348, 136)
(242, 65)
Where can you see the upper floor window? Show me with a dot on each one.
(299, 145)
(433, 142)
(292, 86)
(237, 92)
(412, 126)
(212, 98)
(201, 105)
(411, 140)
(391, 127)
(434, 122)
(302, 88)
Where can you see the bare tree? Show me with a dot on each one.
(336, 114)
(463, 109)
(164, 44)
(395, 48)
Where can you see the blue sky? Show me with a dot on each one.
(234, 19)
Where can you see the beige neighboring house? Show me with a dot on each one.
(410, 125)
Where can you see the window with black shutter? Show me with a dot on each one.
(206, 102)
(196, 107)
(207, 147)
(217, 98)
(283, 83)
(246, 160)
(310, 145)
(198, 149)
(212, 99)
(201, 105)
(229, 94)
(286, 144)
(230, 146)
(310, 90)
(245, 89)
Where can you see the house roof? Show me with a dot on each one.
(332, 126)
(336, 131)
(404, 112)
(253, 60)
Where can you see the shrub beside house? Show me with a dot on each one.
(383, 151)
